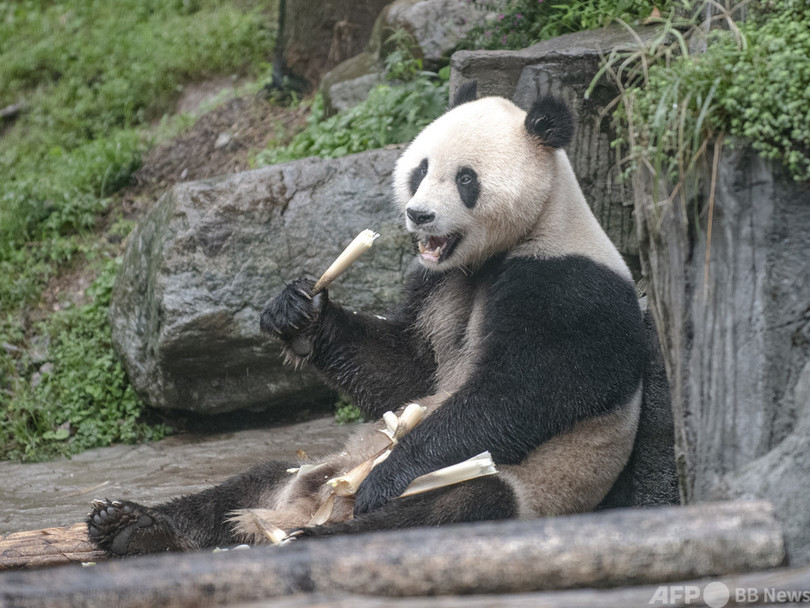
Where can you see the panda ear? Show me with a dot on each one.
(550, 120)
(465, 93)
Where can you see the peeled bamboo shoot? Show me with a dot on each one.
(361, 243)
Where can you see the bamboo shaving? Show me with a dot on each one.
(272, 533)
(396, 427)
(361, 243)
(323, 514)
(477, 466)
(346, 485)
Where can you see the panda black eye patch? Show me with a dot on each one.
(417, 175)
(468, 186)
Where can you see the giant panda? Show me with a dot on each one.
(519, 331)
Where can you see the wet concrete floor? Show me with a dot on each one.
(58, 493)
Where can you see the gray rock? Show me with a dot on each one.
(436, 25)
(202, 264)
(498, 72)
(782, 475)
(565, 67)
(350, 82)
(735, 334)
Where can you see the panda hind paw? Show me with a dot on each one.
(121, 527)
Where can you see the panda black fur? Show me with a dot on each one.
(520, 333)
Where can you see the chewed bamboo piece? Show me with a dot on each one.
(396, 427)
(361, 243)
(477, 466)
(267, 524)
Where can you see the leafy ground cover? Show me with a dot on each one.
(91, 79)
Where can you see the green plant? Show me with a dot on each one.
(401, 63)
(750, 82)
(92, 77)
(89, 73)
(392, 113)
(81, 397)
(346, 412)
(523, 22)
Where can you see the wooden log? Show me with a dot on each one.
(47, 547)
(607, 549)
(782, 587)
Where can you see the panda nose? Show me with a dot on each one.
(419, 217)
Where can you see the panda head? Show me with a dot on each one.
(475, 181)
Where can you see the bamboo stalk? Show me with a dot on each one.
(361, 243)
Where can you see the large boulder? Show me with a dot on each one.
(202, 264)
(350, 82)
(735, 332)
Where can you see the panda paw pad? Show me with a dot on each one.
(122, 527)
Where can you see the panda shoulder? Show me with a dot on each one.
(571, 284)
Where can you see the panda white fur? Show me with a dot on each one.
(520, 332)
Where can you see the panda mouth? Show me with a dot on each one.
(437, 249)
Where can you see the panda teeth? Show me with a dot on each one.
(433, 247)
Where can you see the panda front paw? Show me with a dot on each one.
(293, 314)
(379, 488)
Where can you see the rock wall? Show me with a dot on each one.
(201, 265)
(736, 333)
